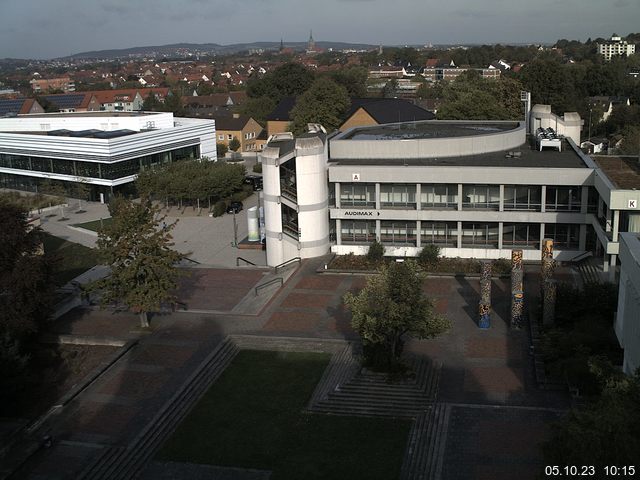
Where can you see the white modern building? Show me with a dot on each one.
(615, 47)
(627, 324)
(104, 150)
(476, 189)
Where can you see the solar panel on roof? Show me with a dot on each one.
(11, 106)
(70, 100)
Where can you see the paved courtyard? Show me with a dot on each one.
(496, 415)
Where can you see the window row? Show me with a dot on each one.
(482, 197)
(108, 171)
(472, 235)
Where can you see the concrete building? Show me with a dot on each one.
(104, 150)
(476, 189)
(627, 323)
(615, 47)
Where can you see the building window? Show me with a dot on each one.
(397, 196)
(479, 235)
(439, 196)
(357, 232)
(290, 222)
(520, 235)
(396, 232)
(229, 137)
(361, 195)
(483, 197)
(563, 199)
(220, 137)
(443, 234)
(522, 197)
(564, 236)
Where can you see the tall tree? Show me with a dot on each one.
(137, 246)
(325, 102)
(290, 79)
(391, 306)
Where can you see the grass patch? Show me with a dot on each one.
(94, 225)
(252, 417)
(72, 259)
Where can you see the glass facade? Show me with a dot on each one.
(290, 222)
(398, 196)
(438, 196)
(564, 236)
(523, 197)
(98, 170)
(563, 199)
(483, 197)
(479, 235)
(443, 234)
(357, 231)
(397, 232)
(521, 235)
(362, 195)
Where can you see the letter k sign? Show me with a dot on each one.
(633, 204)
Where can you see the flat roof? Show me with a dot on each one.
(88, 114)
(428, 129)
(529, 158)
(624, 172)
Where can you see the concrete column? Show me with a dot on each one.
(608, 223)
(500, 231)
(377, 229)
(418, 235)
(600, 204)
(378, 203)
(418, 195)
(338, 231)
(459, 197)
(543, 199)
(501, 204)
(584, 200)
(541, 235)
(616, 225)
(612, 268)
(582, 238)
(337, 194)
(459, 234)
(605, 262)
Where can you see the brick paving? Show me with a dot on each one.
(490, 369)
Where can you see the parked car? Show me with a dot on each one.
(235, 207)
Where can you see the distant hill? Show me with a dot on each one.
(210, 48)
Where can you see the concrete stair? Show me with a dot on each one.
(349, 391)
(425, 448)
(589, 271)
(125, 462)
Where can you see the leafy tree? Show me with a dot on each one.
(390, 88)
(151, 103)
(550, 83)
(221, 149)
(631, 140)
(173, 103)
(605, 431)
(325, 102)
(258, 108)
(354, 79)
(429, 255)
(234, 144)
(143, 265)
(376, 252)
(391, 306)
(290, 79)
(26, 292)
(13, 369)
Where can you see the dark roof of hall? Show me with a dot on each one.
(530, 158)
(390, 110)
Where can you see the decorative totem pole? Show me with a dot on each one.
(517, 289)
(547, 284)
(485, 296)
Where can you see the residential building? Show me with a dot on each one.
(19, 106)
(615, 47)
(377, 111)
(43, 85)
(601, 107)
(244, 128)
(104, 150)
(214, 105)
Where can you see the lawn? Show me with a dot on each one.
(253, 417)
(94, 225)
(73, 259)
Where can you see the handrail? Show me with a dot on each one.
(270, 282)
(287, 263)
(580, 257)
(192, 260)
(244, 260)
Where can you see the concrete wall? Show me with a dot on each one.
(627, 323)
(569, 125)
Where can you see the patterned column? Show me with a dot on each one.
(517, 289)
(547, 284)
(549, 302)
(485, 296)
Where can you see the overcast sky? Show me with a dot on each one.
(55, 28)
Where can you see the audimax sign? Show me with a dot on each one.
(361, 213)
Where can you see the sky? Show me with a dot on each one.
(56, 28)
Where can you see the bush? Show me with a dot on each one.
(429, 255)
(219, 208)
(13, 368)
(221, 149)
(502, 266)
(376, 252)
(257, 168)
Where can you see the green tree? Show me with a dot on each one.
(390, 88)
(173, 103)
(143, 265)
(604, 432)
(234, 144)
(26, 291)
(221, 149)
(631, 140)
(290, 79)
(429, 255)
(325, 103)
(391, 306)
(376, 252)
(151, 103)
(354, 79)
(258, 108)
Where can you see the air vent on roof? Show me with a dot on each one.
(513, 155)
